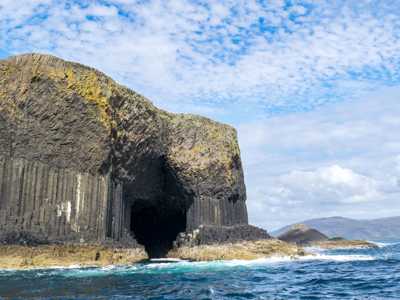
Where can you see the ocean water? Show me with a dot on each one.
(338, 274)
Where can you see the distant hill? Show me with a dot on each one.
(384, 229)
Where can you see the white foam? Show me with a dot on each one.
(383, 245)
(312, 257)
(65, 267)
(339, 257)
(262, 261)
(46, 268)
(166, 260)
(314, 249)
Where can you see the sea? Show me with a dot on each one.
(331, 274)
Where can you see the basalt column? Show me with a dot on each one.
(57, 204)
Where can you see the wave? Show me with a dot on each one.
(9, 270)
(383, 245)
(286, 259)
(182, 265)
(342, 257)
(166, 260)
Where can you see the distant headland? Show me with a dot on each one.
(382, 229)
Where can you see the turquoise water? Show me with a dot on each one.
(339, 274)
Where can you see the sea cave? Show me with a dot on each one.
(156, 226)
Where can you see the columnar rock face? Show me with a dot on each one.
(82, 157)
(57, 202)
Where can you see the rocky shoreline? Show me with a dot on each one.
(245, 250)
(50, 256)
(17, 257)
(24, 257)
(343, 244)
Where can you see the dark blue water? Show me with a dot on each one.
(339, 274)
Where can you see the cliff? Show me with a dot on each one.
(83, 158)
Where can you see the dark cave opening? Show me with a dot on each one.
(156, 227)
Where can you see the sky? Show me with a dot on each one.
(311, 86)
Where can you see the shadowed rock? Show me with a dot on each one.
(84, 158)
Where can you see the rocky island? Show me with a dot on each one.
(85, 161)
(302, 235)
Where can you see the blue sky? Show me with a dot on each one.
(311, 86)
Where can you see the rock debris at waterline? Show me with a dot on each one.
(84, 159)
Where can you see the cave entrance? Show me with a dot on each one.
(156, 226)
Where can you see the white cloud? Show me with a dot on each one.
(339, 160)
(333, 184)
